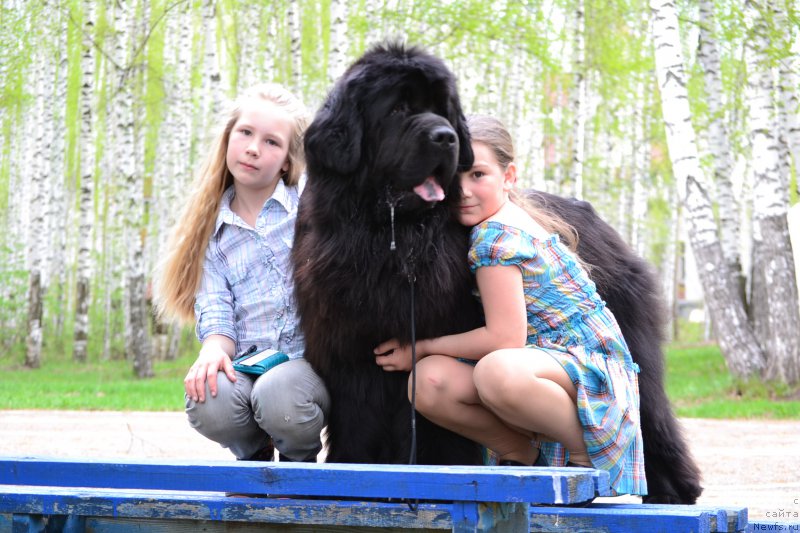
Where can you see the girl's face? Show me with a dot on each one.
(259, 145)
(484, 187)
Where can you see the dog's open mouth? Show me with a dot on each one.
(430, 190)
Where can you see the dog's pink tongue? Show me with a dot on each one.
(430, 191)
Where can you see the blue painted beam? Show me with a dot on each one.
(217, 507)
(451, 483)
(723, 519)
(622, 520)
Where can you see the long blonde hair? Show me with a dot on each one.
(179, 274)
(492, 133)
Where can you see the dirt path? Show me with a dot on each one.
(748, 463)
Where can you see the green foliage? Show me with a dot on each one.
(699, 385)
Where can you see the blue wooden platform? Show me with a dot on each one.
(39, 494)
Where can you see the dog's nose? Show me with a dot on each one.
(443, 136)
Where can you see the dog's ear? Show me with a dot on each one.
(333, 140)
(459, 122)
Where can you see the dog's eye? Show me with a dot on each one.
(400, 107)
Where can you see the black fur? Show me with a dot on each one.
(391, 121)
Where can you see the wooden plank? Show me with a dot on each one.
(126, 525)
(491, 516)
(207, 508)
(451, 483)
(723, 519)
(104, 524)
(216, 507)
(619, 520)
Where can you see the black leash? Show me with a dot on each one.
(412, 459)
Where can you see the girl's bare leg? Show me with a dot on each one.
(531, 390)
(447, 396)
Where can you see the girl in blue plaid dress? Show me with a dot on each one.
(552, 380)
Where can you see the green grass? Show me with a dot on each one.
(108, 385)
(699, 386)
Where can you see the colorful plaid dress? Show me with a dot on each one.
(568, 320)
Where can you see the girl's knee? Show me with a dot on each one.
(227, 412)
(497, 380)
(494, 367)
(431, 386)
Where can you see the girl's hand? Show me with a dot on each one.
(393, 357)
(213, 357)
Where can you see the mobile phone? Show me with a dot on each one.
(260, 362)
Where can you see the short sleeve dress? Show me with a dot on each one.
(568, 320)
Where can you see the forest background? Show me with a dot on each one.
(678, 121)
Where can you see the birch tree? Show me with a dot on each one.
(86, 206)
(295, 42)
(249, 30)
(579, 105)
(735, 336)
(776, 317)
(136, 325)
(40, 159)
(174, 154)
(212, 77)
(56, 218)
(789, 85)
(338, 48)
(719, 142)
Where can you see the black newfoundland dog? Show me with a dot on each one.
(378, 256)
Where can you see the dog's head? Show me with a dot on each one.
(393, 122)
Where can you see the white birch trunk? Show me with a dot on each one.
(251, 51)
(736, 339)
(579, 106)
(295, 43)
(132, 171)
(56, 229)
(42, 117)
(83, 296)
(113, 243)
(212, 78)
(719, 142)
(174, 154)
(338, 48)
(271, 61)
(776, 318)
(789, 84)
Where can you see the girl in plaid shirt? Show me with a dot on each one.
(551, 380)
(227, 268)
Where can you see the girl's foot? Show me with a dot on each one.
(580, 459)
(514, 462)
(509, 462)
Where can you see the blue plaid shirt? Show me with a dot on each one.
(246, 292)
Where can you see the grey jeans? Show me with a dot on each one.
(289, 403)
